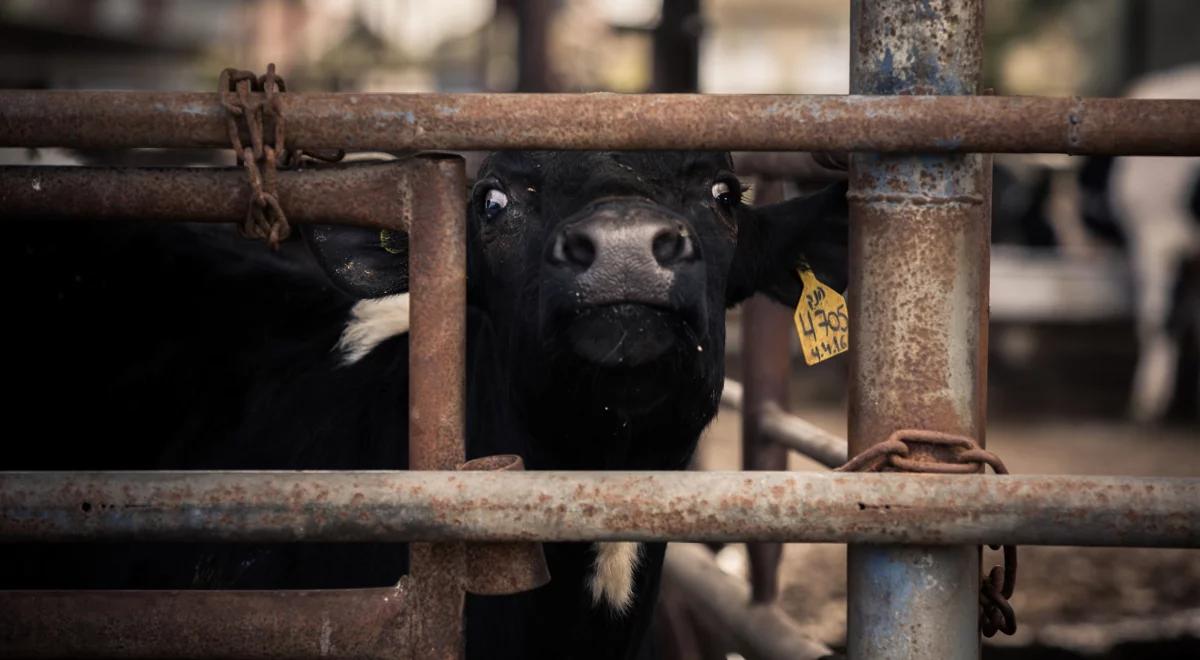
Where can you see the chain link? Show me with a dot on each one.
(894, 454)
(265, 218)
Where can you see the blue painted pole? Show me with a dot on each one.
(918, 309)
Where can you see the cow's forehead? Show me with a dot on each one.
(567, 167)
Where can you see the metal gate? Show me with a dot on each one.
(919, 274)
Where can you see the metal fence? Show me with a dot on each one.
(919, 273)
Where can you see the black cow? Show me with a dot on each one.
(598, 283)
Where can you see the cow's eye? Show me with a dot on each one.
(726, 193)
(494, 203)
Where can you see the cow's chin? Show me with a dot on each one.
(625, 335)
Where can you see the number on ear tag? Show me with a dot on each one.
(821, 321)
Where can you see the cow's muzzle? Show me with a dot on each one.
(629, 276)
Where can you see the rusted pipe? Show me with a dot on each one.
(365, 194)
(760, 631)
(919, 239)
(397, 122)
(819, 507)
(788, 430)
(503, 568)
(437, 390)
(352, 623)
(803, 437)
(766, 368)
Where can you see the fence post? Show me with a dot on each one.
(437, 392)
(766, 360)
(918, 310)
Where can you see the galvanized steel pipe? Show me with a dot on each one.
(813, 507)
(919, 238)
(396, 122)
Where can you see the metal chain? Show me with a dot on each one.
(265, 218)
(893, 454)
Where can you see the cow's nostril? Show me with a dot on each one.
(576, 248)
(672, 245)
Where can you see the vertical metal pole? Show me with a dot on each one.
(437, 389)
(766, 361)
(918, 282)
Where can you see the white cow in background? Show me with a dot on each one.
(1153, 198)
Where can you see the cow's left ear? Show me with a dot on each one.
(775, 241)
(366, 263)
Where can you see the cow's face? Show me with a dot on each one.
(617, 260)
(604, 277)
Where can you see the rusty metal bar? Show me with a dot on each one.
(919, 238)
(395, 122)
(822, 507)
(779, 426)
(766, 365)
(364, 194)
(759, 630)
(437, 392)
(350, 623)
(806, 438)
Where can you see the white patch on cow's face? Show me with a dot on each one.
(371, 323)
(611, 582)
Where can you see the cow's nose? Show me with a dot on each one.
(672, 245)
(575, 247)
(657, 242)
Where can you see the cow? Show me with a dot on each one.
(1156, 202)
(597, 290)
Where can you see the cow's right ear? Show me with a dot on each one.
(775, 242)
(366, 263)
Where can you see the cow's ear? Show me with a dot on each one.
(366, 263)
(775, 241)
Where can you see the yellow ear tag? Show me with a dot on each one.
(821, 321)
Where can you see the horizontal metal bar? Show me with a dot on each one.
(390, 122)
(759, 630)
(609, 506)
(803, 437)
(365, 194)
(352, 623)
(793, 432)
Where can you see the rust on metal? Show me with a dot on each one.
(364, 194)
(547, 506)
(919, 246)
(503, 568)
(398, 122)
(791, 431)
(803, 437)
(766, 365)
(264, 217)
(351, 623)
(966, 457)
(437, 389)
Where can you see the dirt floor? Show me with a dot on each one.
(1070, 602)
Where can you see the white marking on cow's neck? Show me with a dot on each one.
(611, 582)
(371, 323)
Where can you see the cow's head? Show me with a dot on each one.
(604, 277)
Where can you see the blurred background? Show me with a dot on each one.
(1095, 296)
